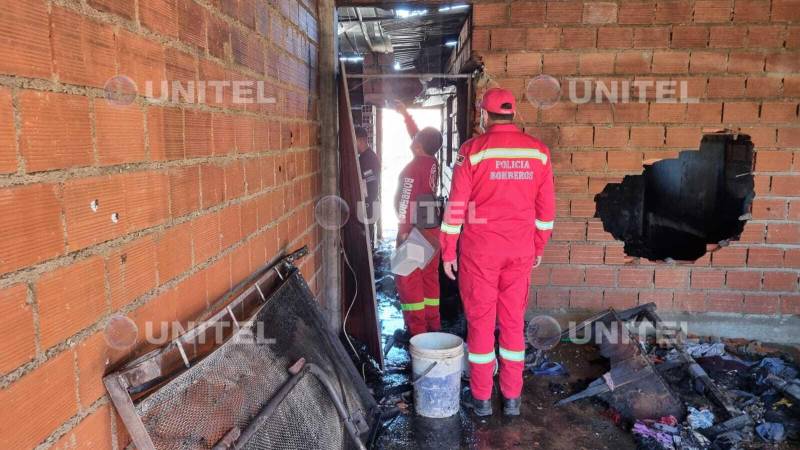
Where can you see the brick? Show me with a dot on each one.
(564, 11)
(783, 62)
(753, 233)
(586, 254)
(594, 63)
(780, 281)
(670, 62)
(667, 112)
(218, 34)
(586, 299)
(601, 276)
(773, 161)
(596, 185)
(785, 11)
(560, 112)
(713, 11)
(633, 62)
(765, 257)
(141, 60)
(594, 113)
(783, 233)
(690, 301)
(146, 200)
(728, 37)
(620, 299)
(524, 63)
(625, 161)
(611, 136)
(8, 138)
(684, 137)
(508, 38)
(725, 302)
(184, 185)
(636, 278)
(612, 37)
(32, 215)
(83, 50)
(689, 36)
(761, 304)
(566, 276)
(745, 62)
(765, 36)
(740, 112)
(119, 132)
(707, 62)
(490, 14)
(575, 136)
(212, 183)
(234, 180)
(480, 40)
(751, 11)
(651, 37)
(160, 16)
(708, 279)
(230, 222)
(191, 23)
(92, 432)
(165, 129)
(575, 38)
(560, 63)
(527, 12)
(38, 403)
(725, 87)
(729, 257)
(630, 112)
(205, 237)
(673, 11)
(786, 185)
(746, 280)
(16, 317)
(636, 12)
(131, 271)
(197, 135)
(122, 8)
(599, 12)
(181, 67)
(243, 131)
(56, 131)
(671, 278)
(662, 299)
(648, 136)
(778, 112)
(174, 249)
(247, 50)
(550, 298)
(25, 45)
(589, 161)
(70, 299)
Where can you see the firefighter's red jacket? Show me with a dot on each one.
(502, 199)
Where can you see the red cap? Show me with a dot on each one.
(495, 98)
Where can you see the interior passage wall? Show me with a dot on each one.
(739, 59)
(150, 207)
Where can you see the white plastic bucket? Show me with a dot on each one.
(436, 364)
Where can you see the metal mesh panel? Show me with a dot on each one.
(230, 387)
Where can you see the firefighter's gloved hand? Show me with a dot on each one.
(450, 269)
(538, 262)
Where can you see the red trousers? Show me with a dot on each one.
(494, 290)
(419, 294)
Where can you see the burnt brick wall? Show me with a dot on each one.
(739, 58)
(147, 209)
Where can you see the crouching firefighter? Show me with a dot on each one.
(500, 210)
(415, 203)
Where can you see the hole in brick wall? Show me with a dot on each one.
(95, 205)
(115, 217)
(678, 206)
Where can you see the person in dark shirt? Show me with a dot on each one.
(370, 173)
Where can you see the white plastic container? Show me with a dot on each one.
(436, 364)
(413, 254)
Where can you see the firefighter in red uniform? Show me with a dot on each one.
(501, 210)
(414, 202)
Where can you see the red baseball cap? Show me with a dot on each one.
(499, 101)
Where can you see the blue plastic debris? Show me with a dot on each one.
(549, 369)
(771, 432)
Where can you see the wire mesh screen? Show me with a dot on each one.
(228, 388)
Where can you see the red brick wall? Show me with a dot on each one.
(203, 194)
(740, 58)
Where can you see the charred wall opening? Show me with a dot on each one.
(677, 206)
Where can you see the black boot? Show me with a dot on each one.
(511, 406)
(482, 408)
